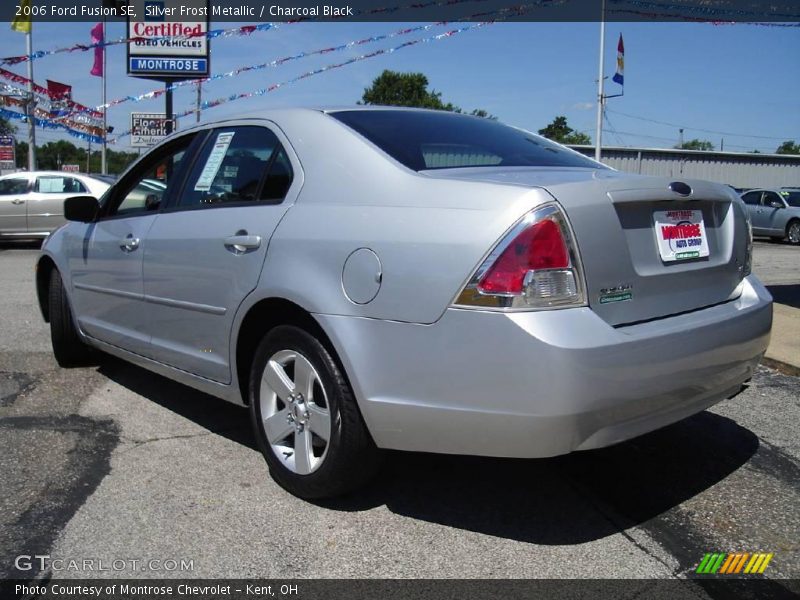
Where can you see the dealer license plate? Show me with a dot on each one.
(680, 234)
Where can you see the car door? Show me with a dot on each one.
(205, 251)
(45, 205)
(752, 201)
(13, 197)
(105, 257)
(774, 213)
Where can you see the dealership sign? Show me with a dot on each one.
(148, 129)
(161, 47)
(7, 154)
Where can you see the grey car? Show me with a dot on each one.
(379, 278)
(775, 213)
(32, 203)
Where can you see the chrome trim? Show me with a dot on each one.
(108, 291)
(203, 308)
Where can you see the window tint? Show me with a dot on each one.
(17, 185)
(145, 188)
(56, 184)
(279, 178)
(440, 140)
(792, 198)
(231, 165)
(769, 198)
(752, 198)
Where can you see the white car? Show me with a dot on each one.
(32, 203)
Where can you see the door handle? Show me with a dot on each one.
(129, 244)
(17, 201)
(242, 242)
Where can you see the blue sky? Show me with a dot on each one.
(738, 81)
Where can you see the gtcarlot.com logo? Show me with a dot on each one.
(43, 562)
(734, 563)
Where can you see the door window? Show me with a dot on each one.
(15, 185)
(238, 165)
(769, 198)
(57, 184)
(145, 189)
(752, 198)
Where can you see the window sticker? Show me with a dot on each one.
(214, 162)
(51, 185)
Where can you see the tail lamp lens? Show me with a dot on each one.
(535, 265)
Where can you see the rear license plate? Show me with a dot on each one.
(680, 234)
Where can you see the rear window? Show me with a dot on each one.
(443, 140)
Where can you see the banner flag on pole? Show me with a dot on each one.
(22, 23)
(97, 38)
(619, 76)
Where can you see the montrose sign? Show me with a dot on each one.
(164, 49)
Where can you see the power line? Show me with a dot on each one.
(762, 137)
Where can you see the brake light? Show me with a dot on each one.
(535, 265)
(539, 246)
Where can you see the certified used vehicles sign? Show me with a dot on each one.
(680, 234)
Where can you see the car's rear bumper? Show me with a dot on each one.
(545, 383)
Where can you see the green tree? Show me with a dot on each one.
(22, 155)
(696, 144)
(560, 132)
(391, 88)
(6, 127)
(788, 147)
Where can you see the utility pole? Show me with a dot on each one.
(168, 106)
(30, 105)
(680, 138)
(600, 94)
(199, 100)
(103, 161)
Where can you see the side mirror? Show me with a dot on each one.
(776, 204)
(83, 209)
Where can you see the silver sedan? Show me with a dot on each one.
(379, 278)
(775, 213)
(32, 203)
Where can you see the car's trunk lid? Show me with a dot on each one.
(616, 218)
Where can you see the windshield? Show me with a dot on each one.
(792, 197)
(423, 140)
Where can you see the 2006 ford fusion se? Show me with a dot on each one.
(381, 278)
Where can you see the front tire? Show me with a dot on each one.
(793, 232)
(305, 417)
(68, 348)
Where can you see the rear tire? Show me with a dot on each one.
(68, 348)
(298, 397)
(793, 232)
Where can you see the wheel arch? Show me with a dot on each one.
(789, 224)
(260, 318)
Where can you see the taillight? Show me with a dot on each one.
(535, 265)
(748, 259)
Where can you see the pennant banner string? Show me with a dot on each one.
(49, 124)
(245, 30)
(275, 86)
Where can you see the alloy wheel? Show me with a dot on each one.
(294, 411)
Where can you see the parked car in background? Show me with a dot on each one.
(374, 278)
(775, 213)
(32, 203)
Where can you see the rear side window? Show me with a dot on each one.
(423, 140)
(238, 165)
(54, 184)
(752, 198)
(16, 185)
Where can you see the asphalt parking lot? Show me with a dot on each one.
(112, 462)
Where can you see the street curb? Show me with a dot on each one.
(783, 367)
